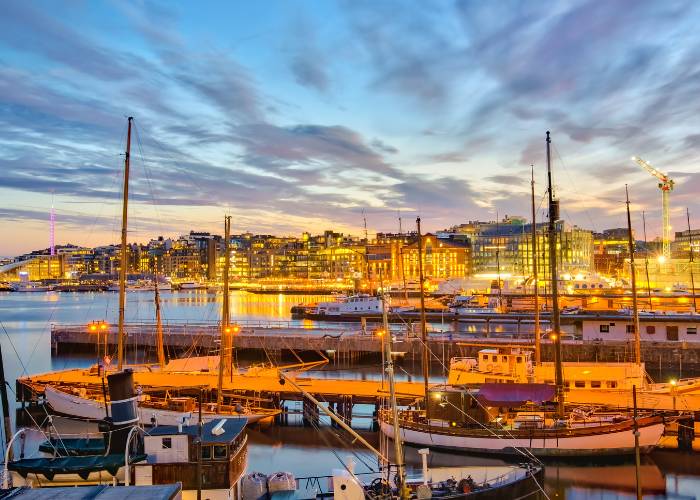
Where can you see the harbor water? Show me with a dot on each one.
(26, 320)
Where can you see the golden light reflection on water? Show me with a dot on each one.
(246, 304)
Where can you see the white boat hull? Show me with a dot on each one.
(91, 409)
(611, 443)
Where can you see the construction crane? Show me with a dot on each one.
(666, 186)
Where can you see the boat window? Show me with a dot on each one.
(596, 384)
(651, 329)
(485, 357)
(692, 330)
(206, 452)
(585, 286)
(519, 359)
(630, 328)
(504, 358)
(567, 384)
(580, 383)
(611, 384)
(167, 443)
(494, 358)
(220, 451)
(604, 328)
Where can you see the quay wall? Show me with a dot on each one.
(347, 343)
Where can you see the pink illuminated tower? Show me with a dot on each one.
(52, 229)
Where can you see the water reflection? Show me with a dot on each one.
(306, 451)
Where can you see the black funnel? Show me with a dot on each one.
(124, 404)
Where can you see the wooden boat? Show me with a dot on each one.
(474, 429)
(152, 411)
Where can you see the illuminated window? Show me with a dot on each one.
(604, 328)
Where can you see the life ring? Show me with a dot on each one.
(489, 367)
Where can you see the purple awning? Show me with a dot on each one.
(515, 394)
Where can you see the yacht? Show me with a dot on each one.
(31, 286)
(354, 304)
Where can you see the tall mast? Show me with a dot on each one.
(646, 260)
(423, 329)
(389, 368)
(535, 274)
(124, 256)
(690, 258)
(556, 326)
(159, 327)
(6, 422)
(224, 350)
(633, 273)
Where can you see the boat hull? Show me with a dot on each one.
(90, 409)
(613, 443)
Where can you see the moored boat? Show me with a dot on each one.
(152, 411)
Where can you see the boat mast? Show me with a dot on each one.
(124, 257)
(646, 260)
(225, 328)
(556, 327)
(389, 368)
(534, 270)
(633, 273)
(423, 329)
(159, 328)
(690, 257)
(7, 424)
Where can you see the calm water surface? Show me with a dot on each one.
(25, 339)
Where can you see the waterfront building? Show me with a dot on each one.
(610, 249)
(680, 246)
(505, 247)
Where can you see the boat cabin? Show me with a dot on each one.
(514, 365)
(455, 407)
(492, 366)
(172, 453)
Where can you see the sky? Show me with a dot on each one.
(309, 115)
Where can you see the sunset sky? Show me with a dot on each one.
(300, 115)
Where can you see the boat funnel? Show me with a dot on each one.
(124, 404)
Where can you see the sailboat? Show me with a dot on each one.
(91, 402)
(524, 418)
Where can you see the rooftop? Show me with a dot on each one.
(230, 430)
